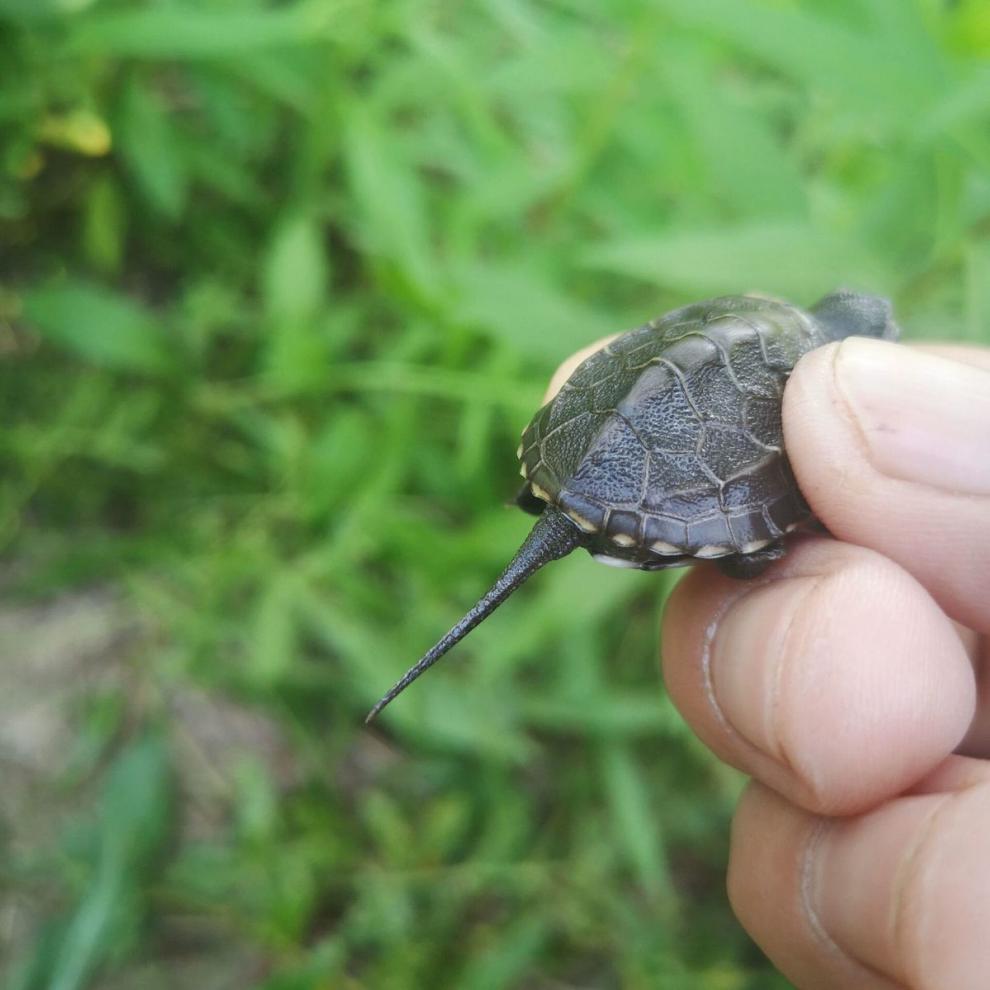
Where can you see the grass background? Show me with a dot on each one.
(281, 283)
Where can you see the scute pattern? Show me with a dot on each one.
(667, 442)
(659, 406)
(611, 469)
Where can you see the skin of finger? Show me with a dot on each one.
(570, 365)
(977, 741)
(941, 537)
(768, 887)
(978, 357)
(902, 892)
(954, 773)
(838, 659)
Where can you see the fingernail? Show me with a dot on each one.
(748, 657)
(923, 418)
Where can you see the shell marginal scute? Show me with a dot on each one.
(540, 492)
(585, 525)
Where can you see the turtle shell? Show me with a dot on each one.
(667, 443)
(666, 446)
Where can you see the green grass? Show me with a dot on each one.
(281, 283)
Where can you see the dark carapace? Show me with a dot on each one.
(665, 447)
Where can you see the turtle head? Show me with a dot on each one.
(845, 313)
(554, 536)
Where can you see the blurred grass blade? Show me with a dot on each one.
(392, 219)
(134, 824)
(869, 69)
(634, 820)
(104, 227)
(389, 376)
(615, 715)
(902, 218)
(100, 326)
(745, 162)
(792, 259)
(136, 804)
(32, 10)
(187, 31)
(509, 958)
(296, 270)
(977, 288)
(273, 631)
(966, 103)
(294, 287)
(152, 149)
(524, 310)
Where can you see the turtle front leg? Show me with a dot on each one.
(744, 566)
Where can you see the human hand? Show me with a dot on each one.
(844, 680)
(846, 677)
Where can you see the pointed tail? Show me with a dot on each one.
(554, 536)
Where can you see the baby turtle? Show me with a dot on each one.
(665, 447)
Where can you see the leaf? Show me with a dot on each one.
(635, 824)
(444, 383)
(79, 130)
(99, 326)
(977, 293)
(35, 10)
(793, 260)
(136, 801)
(509, 959)
(388, 194)
(104, 226)
(970, 27)
(614, 714)
(296, 270)
(273, 638)
(968, 102)
(186, 31)
(867, 69)
(515, 305)
(902, 218)
(294, 290)
(134, 825)
(745, 162)
(151, 148)
(256, 803)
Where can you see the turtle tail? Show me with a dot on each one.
(554, 536)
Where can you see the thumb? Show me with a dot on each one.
(891, 448)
